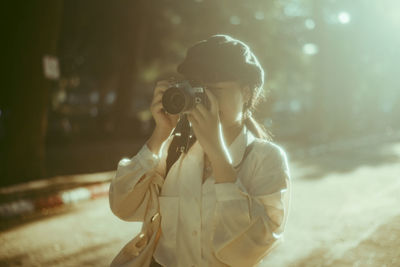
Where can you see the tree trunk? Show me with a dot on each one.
(33, 32)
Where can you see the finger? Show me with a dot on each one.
(196, 114)
(158, 94)
(157, 98)
(162, 85)
(158, 106)
(203, 110)
(174, 118)
(213, 101)
(172, 79)
(192, 120)
(159, 90)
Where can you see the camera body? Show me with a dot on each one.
(182, 96)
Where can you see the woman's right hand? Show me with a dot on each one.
(165, 122)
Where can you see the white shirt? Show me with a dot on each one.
(208, 224)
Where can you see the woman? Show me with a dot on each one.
(225, 202)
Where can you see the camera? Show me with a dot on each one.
(182, 96)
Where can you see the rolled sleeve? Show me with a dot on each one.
(250, 221)
(128, 190)
(230, 191)
(146, 160)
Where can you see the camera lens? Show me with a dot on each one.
(177, 100)
(174, 100)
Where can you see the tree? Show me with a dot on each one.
(32, 32)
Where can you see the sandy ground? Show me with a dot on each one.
(344, 212)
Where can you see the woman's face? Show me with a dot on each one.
(231, 98)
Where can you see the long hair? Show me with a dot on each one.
(223, 58)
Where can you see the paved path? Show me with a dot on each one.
(344, 212)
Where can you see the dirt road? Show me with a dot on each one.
(344, 212)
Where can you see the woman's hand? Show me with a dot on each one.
(165, 122)
(208, 131)
(206, 125)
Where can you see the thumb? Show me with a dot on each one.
(213, 101)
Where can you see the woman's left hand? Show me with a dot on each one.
(208, 130)
(206, 126)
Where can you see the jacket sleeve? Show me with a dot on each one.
(129, 189)
(250, 217)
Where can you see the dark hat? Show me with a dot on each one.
(222, 58)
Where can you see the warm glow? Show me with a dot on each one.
(310, 49)
(344, 17)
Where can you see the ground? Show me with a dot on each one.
(344, 212)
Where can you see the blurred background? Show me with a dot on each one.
(331, 73)
(78, 78)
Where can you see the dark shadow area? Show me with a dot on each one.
(15, 222)
(89, 156)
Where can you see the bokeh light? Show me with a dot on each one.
(310, 49)
(344, 17)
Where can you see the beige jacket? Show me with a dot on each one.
(208, 224)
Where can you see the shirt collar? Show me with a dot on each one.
(239, 145)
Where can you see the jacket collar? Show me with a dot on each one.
(239, 145)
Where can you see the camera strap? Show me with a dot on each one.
(184, 133)
(183, 139)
